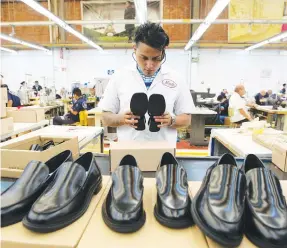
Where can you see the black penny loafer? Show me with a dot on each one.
(172, 208)
(266, 210)
(16, 201)
(123, 210)
(67, 198)
(218, 206)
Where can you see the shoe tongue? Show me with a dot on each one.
(69, 179)
(127, 187)
(172, 186)
(226, 191)
(34, 175)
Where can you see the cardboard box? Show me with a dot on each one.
(147, 154)
(279, 155)
(11, 173)
(17, 155)
(4, 95)
(6, 125)
(18, 236)
(152, 234)
(194, 187)
(27, 116)
(3, 111)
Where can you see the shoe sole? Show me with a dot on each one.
(12, 220)
(46, 228)
(222, 240)
(122, 227)
(174, 224)
(262, 243)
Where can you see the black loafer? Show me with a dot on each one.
(173, 202)
(218, 206)
(16, 201)
(266, 210)
(156, 107)
(123, 210)
(67, 198)
(138, 106)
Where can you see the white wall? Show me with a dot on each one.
(81, 65)
(226, 68)
(217, 68)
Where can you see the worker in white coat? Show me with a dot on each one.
(150, 76)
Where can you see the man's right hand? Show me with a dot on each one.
(130, 119)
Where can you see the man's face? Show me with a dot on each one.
(242, 91)
(263, 93)
(75, 97)
(127, 5)
(148, 58)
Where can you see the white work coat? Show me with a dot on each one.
(124, 83)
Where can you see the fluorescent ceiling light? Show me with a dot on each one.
(24, 43)
(8, 50)
(218, 7)
(270, 40)
(141, 9)
(39, 8)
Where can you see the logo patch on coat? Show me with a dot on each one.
(169, 83)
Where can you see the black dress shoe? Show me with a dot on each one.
(16, 201)
(218, 206)
(266, 210)
(36, 147)
(173, 202)
(67, 198)
(47, 145)
(123, 210)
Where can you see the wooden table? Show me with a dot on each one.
(24, 127)
(230, 140)
(280, 115)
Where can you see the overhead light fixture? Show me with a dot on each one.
(8, 50)
(141, 9)
(268, 41)
(24, 43)
(218, 7)
(39, 8)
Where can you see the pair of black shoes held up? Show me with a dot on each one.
(123, 209)
(52, 195)
(233, 201)
(155, 106)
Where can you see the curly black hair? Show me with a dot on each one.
(153, 35)
(77, 92)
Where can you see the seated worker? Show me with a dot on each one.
(238, 104)
(261, 97)
(224, 93)
(13, 100)
(222, 108)
(37, 87)
(73, 114)
(283, 90)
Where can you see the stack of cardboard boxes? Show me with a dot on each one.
(6, 122)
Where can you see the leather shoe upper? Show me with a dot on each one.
(266, 210)
(124, 201)
(18, 199)
(173, 199)
(220, 200)
(67, 192)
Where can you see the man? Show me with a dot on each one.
(148, 75)
(73, 112)
(37, 87)
(224, 93)
(222, 108)
(238, 105)
(130, 14)
(283, 91)
(22, 85)
(261, 97)
(13, 100)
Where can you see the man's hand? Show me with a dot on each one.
(164, 120)
(130, 119)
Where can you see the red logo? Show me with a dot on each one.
(169, 83)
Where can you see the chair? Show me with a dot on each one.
(83, 116)
(230, 114)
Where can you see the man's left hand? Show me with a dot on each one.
(164, 120)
